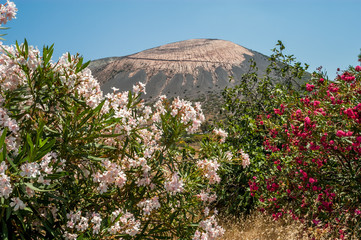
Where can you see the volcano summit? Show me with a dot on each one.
(188, 69)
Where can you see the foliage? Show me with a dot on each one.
(314, 165)
(75, 164)
(244, 104)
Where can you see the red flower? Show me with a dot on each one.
(340, 133)
(310, 87)
(307, 121)
(312, 180)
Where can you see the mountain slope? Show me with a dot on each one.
(191, 69)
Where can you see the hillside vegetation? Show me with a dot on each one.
(76, 163)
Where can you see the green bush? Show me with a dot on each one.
(314, 165)
(75, 164)
(253, 97)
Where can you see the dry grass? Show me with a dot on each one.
(258, 226)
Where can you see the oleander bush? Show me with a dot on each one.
(304, 142)
(243, 105)
(77, 164)
(314, 161)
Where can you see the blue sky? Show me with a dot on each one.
(319, 32)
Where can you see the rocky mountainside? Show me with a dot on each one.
(193, 69)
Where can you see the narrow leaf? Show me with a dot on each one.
(30, 185)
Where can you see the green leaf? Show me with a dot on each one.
(12, 163)
(26, 48)
(30, 185)
(51, 130)
(45, 149)
(69, 57)
(193, 225)
(83, 67)
(57, 175)
(2, 138)
(30, 142)
(91, 113)
(47, 54)
(8, 213)
(97, 159)
(28, 209)
(4, 233)
(17, 47)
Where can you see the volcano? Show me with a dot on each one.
(190, 69)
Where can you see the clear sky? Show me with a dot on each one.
(319, 32)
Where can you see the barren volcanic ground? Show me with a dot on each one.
(193, 69)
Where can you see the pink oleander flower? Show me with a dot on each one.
(149, 205)
(348, 77)
(83, 224)
(113, 175)
(189, 115)
(207, 197)
(96, 220)
(30, 170)
(245, 159)
(70, 236)
(208, 230)
(175, 185)
(312, 180)
(125, 225)
(17, 203)
(3, 167)
(223, 134)
(358, 68)
(209, 168)
(7, 12)
(138, 88)
(5, 185)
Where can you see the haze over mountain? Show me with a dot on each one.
(190, 69)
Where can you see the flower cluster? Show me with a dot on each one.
(245, 159)
(207, 197)
(149, 205)
(112, 175)
(5, 186)
(210, 167)
(7, 12)
(175, 185)
(209, 229)
(221, 133)
(188, 114)
(17, 203)
(11, 74)
(11, 140)
(124, 223)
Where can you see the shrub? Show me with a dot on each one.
(314, 165)
(243, 105)
(75, 164)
